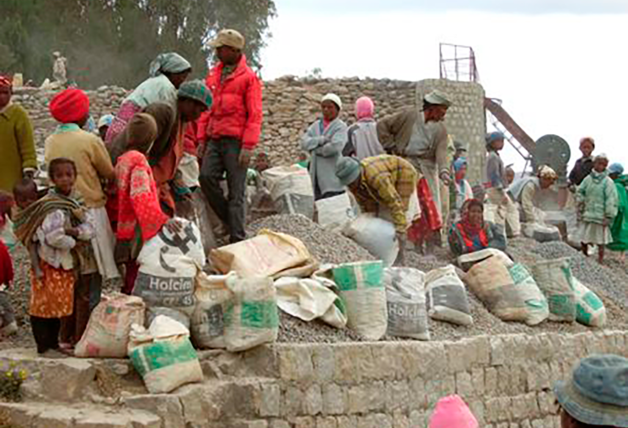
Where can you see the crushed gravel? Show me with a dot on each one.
(610, 282)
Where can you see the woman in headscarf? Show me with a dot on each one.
(167, 72)
(472, 233)
(324, 141)
(363, 141)
(619, 229)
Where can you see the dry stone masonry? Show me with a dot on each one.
(506, 379)
(291, 104)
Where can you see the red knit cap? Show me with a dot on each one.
(69, 106)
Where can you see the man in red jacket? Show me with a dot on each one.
(230, 130)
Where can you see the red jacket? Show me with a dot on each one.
(237, 106)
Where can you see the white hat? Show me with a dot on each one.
(333, 98)
(228, 37)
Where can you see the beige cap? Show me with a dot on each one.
(228, 38)
(438, 98)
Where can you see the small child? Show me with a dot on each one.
(597, 198)
(54, 225)
(462, 189)
(8, 325)
(584, 165)
(6, 226)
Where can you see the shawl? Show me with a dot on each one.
(28, 220)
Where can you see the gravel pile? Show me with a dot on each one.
(325, 246)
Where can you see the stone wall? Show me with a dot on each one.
(292, 104)
(465, 120)
(506, 380)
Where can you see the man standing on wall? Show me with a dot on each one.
(230, 130)
(17, 145)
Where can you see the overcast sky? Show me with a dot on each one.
(559, 66)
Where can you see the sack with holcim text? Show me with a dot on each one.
(361, 288)
(168, 265)
(590, 309)
(447, 297)
(555, 281)
(207, 322)
(405, 295)
(251, 317)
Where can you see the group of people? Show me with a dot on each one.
(111, 191)
(383, 163)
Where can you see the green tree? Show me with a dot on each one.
(113, 41)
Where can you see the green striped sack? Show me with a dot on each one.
(165, 365)
(362, 290)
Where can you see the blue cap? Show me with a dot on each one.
(616, 168)
(597, 393)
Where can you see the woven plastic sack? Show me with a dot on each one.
(335, 212)
(164, 356)
(251, 318)
(590, 309)
(447, 297)
(376, 235)
(207, 322)
(361, 288)
(555, 281)
(264, 255)
(509, 293)
(168, 265)
(291, 190)
(107, 332)
(466, 261)
(405, 295)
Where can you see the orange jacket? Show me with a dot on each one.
(237, 107)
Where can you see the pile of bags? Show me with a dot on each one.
(547, 291)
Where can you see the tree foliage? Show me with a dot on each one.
(113, 41)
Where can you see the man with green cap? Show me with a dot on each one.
(381, 183)
(596, 395)
(421, 137)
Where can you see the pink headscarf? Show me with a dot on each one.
(452, 412)
(364, 108)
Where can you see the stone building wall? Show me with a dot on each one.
(292, 104)
(465, 120)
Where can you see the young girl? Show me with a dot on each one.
(461, 191)
(139, 212)
(597, 198)
(54, 225)
(619, 229)
(8, 325)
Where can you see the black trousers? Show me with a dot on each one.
(46, 333)
(222, 156)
